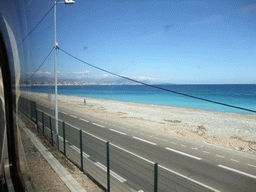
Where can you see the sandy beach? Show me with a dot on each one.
(230, 130)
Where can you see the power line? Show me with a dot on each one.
(37, 24)
(41, 63)
(168, 90)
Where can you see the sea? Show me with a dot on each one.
(238, 95)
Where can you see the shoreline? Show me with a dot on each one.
(232, 130)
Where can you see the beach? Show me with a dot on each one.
(229, 130)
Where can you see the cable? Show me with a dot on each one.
(41, 64)
(194, 97)
(37, 24)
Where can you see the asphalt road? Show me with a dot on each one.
(215, 168)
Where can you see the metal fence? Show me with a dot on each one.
(111, 166)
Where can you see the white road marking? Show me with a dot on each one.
(194, 148)
(182, 153)
(73, 116)
(87, 133)
(220, 156)
(252, 165)
(117, 131)
(61, 138)
(164, 140)
(183, 145)
(207, 152)
(98, 125)
(134, 154)
(64, 113)
(84, 120)
(144, 140)
(142, 133)
(173, 143)
(206, 186)
(234, 160)
(237, 171)
(79, 151)
(140, 191)
(118, 177)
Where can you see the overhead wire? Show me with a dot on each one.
(41, 64)
(37, 24)
(157, 87)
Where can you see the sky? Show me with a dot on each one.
(182, 42)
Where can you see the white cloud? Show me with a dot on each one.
(40, 73)
(81, 72)
(145, 78)
(248, 8)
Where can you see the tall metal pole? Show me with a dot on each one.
(55, 76)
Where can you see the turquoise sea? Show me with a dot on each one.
(240, 95)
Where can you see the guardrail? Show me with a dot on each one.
(108, 164)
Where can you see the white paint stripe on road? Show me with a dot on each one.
(144, 140)
(252, 165)
(73, 116)
(118, 177)
(234, 160)
(84, 120)
(87, 133)
(237, 171)
(206, 186)
(134, 154)
(182, 153)
(220, 156)
(183, 145)
(207, 152)
(64, 113)
(173, 143)
(98, 125)
(117, 131)
(79, 151)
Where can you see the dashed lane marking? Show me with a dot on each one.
(117, 131)
(252, 165)
(98, 125)
(182, 153)
(164, 140)
(220, 156)
(79, 151)
(237, 171)
(234, 160)
(64, 113)
(195, 148)
(84, 120)
(206, 152)
(188, 178)
(118, 177)
(73, 116)
(173, 143)
(183, 145)
(144, 140)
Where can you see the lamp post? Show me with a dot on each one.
(55, 69)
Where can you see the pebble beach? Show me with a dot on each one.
(231, 130)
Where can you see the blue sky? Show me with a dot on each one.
(159, 41)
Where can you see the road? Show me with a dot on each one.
(214, 167)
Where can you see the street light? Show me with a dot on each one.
(55, 69)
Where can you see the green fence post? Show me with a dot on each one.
(31, 110)
(108, 167)
(50, 119)
(43, 121)
(36, 121)
(81, 149)
(156, 178)
(64, 139)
